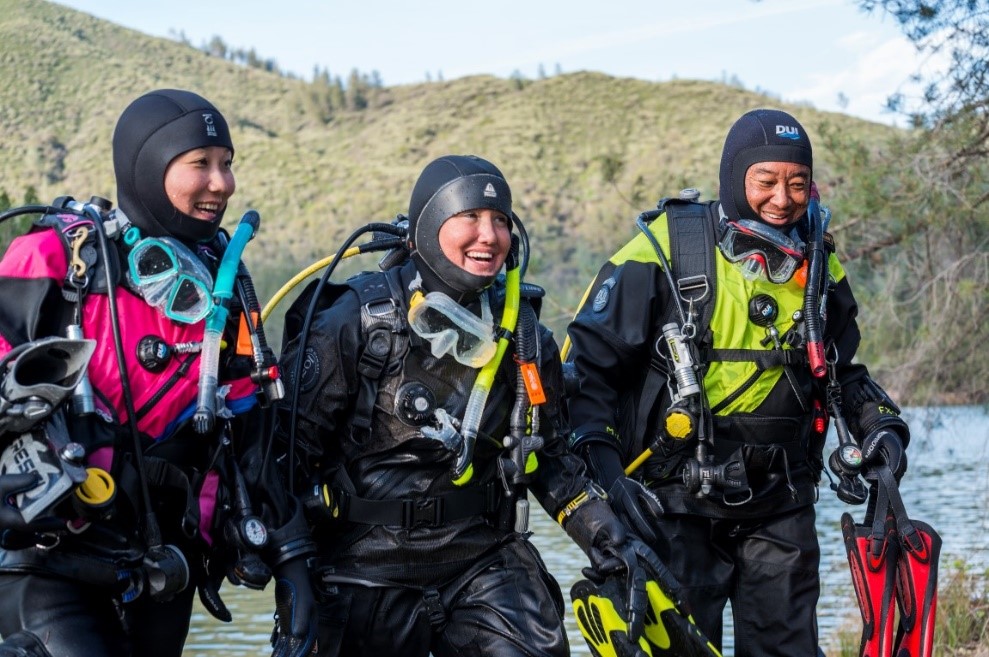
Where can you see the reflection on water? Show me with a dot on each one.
(947, 485)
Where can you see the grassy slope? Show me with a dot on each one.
(584, 152)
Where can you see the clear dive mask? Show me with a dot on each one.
(452, 329)
(171, 278)
(762, 248)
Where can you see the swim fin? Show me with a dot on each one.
(668, 630)
(893, 558)
(603, 621)
(916, 575)
(872, 561)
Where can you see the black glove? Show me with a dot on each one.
(884, 446)
(295, 611)
(10, 486)
(597, 531)
(635, 504)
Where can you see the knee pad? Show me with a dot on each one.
(23, 644)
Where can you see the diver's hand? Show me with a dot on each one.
(637, 506)
(596, 529)
(884, 446)
(295, 611)
(10, 486)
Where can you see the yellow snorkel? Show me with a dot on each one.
(463, 469)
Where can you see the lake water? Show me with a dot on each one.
(947, 485)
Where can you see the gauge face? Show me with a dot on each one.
(254, 531)
(851, 456)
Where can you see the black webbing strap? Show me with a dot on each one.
(381, 321)
(692, 253)
(423, 511)
(762, 359)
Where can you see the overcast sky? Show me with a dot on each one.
(824, 52)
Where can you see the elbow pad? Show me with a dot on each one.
(870, 409)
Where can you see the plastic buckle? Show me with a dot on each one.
(434, 607)
(427, 511)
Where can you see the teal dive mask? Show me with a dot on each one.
(171, 278)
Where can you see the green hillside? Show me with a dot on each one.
(584, 152)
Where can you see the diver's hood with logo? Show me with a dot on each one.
(150, 133)
(446, 187)
(762, 135)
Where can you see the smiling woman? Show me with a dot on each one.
(178, 498)
(404, 384)
(477, 240)
(199, 182)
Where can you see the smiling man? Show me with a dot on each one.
(728, 406)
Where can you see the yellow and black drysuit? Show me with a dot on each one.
(715, 546)
(749, 537)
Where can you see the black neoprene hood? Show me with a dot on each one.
(762, 135)
(448, 186)
(151, 132)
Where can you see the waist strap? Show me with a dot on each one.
(422, 511)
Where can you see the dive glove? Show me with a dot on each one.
(884, 446)
(594, 527)
(637, 506)
(295, 611)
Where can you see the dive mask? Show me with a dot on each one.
(171, 278)
(762, 248)
(452, 329)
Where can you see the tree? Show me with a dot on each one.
(913, 230)
(216, 47)
(356, 90)
(959, 28)
(955, 102)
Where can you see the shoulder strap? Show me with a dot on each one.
(69, 226)
(692, 244)
(381, 322)
(693, 240)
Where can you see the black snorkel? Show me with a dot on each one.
(816, 262)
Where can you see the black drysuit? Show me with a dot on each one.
(414, 564)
